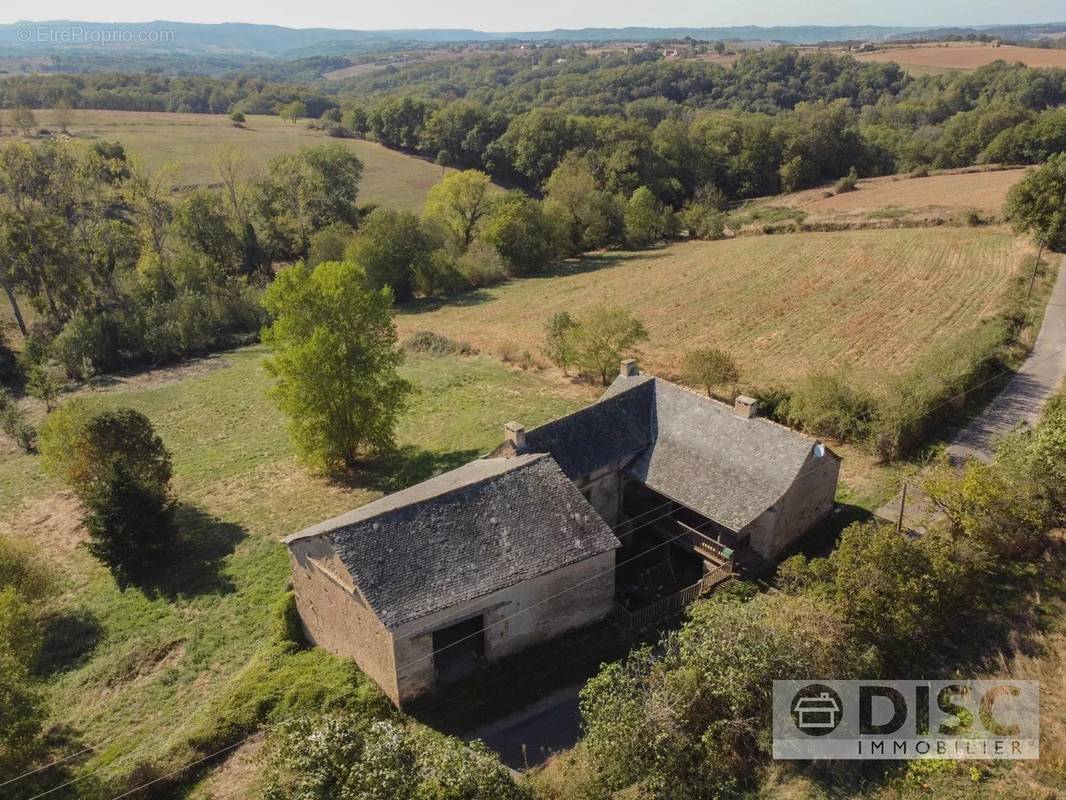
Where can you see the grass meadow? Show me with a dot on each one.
(190, 141)
(164, 672)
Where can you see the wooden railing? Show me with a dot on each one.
(666, 606)
(703, 544)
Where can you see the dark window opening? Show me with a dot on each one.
(459, 649)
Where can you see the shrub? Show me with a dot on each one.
(14, 424)
(59, 437)
(481, 265)
(506, 351)
(435, 345)
(848, 183)
(709, 368)
(826, 404)
(558, 339)
(602, 338)
(919, 172)
(438, 274)
(973, 217)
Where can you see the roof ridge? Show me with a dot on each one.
(322, 528)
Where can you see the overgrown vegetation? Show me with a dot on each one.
(688, 719)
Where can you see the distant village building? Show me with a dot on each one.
(422, 586)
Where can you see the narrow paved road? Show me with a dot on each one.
(1024, 396)
(530, 736)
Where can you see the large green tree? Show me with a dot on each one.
(335, 360)
(391, 247)
(602, 337)
(456, 207)
(1037, 203)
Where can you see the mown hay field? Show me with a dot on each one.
(951, 56)
(945, 194)
(784, 304)
(191, 141)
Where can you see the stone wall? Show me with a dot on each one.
(807, 502)
(515, 618)
(334, 615)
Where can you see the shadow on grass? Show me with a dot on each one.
(573, 266)
(405, 467)
(69, 639)
(194, 564)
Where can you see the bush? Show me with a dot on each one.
(434, 344)
(481, 265)
(59, 435)
(919, 172)
(848, 183)
(13, 423)
(438, 274)
(915, 402)
(826, 404)
(973, 217)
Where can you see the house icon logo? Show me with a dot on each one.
(816, 710)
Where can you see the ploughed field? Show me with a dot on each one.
(191, 141)
(784, 305)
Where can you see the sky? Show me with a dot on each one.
(514, 15)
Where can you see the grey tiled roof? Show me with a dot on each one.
(615, 428)
(482, 527)
(692, 449)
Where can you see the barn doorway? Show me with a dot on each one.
(459, 650)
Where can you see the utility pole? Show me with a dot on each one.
(902, 505)
(1036, 267)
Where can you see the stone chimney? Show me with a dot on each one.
(515, 433)
(745, 406)
(629, 368)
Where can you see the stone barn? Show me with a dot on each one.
(422, 586)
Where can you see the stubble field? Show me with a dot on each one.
(784, 305)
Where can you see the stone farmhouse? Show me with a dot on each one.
(650, 489)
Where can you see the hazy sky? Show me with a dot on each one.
(500, 15)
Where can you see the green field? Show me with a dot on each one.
(191, 140)
(146, 671)
(784, 305)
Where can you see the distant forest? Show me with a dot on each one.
(778, 120)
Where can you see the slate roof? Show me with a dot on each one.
(613, 429)
(485, 526)
(687, 447)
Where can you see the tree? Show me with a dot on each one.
(457, 205)
(898, 593)
(1037, 205)
(558, 339)
(62, 115)
(292, 111)
(525, 236)
(602, 338)
(237, 118)
(589, 215)
(350, 755)
(120, 470)
(645, 218)
(390, 247)
(335, 360)
(45, 385)
(709, 368)
(23, 119)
